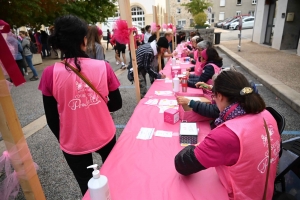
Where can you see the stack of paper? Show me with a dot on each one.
(163, 133)
(152, 102)
(167, 102)
(145, 133)
(164, 93)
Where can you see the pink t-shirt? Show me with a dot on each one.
(220, 147)
(46, 83)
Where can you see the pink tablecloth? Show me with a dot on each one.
(144, 169)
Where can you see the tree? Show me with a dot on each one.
(196, 6)
(33, 13)
(200, 19)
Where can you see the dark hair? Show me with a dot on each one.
(230, 84)
(147, 27)
(142, 29)
(68, 36)
(212, 54)
(92, 39)
(192, 34)
(199, 39)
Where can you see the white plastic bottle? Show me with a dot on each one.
(173, 61)
(176, 83)
(98, 185)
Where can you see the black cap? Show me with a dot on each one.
(163, 42)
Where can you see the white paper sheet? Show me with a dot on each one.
(161, 133)
(167, 102)
(145, 133)
(152, 102)
(164, 93)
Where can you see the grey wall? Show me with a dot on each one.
(231, 7)
(291, 30)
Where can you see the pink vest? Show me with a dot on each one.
(246, 179)
(85, 122)
(217, 70)
(198, 70)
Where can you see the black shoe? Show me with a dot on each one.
(34, 78)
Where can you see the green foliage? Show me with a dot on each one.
(200, 19)
(196, 6)
(33, 13)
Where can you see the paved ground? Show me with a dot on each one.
(56, 178)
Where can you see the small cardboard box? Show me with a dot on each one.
(187, 114)
(171, 116)
(188, 133)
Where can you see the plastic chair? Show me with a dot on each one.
(278, 117)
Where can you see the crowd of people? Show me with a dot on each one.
(80, 92)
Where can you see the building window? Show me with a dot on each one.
(138, 16)
(239, 2)
(117, 13)
(181, 23)
(222, 2)
(251, 12)
(238, 13)
(221, 15)
(191, 21)
(178, 1)
(212, 17)
(178, 10)
(254, 1)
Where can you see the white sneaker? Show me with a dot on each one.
(117, 63)
(26, 73)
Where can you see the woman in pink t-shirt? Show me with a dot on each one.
(76, 114)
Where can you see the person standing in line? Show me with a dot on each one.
(142, 35)
(44, 41)
(108, 38)
(147, 34)
(145, 56)
(78, 115)
(37, 37)
(120, 49)
(94, 48)
(28, 55)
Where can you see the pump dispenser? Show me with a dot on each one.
(98, 185)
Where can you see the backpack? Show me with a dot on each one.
(33, 47)
(130, 76)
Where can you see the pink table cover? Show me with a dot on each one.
(144, 169)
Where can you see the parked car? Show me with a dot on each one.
(225, 21)
(247, 22)
(227, 24)
(219, 24)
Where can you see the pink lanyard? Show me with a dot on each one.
(229, 111)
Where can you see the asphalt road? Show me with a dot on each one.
(55, 176)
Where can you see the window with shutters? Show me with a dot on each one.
(221, 15)
(239, 2)
(254, 1)
(222, 2)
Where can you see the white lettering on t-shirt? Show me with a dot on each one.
(84, 98)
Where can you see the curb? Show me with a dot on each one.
(287, 94)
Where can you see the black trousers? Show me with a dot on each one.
(21, 66)
(79, 163)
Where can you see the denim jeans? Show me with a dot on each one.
(30, 65)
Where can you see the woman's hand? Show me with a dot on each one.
(187, 74)
(203, 85)
(175, 53)
(188, 69)
(182, 100)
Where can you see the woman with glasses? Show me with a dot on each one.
(238, 146)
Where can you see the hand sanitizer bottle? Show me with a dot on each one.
(98, 185)
(176, 83)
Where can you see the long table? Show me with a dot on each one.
(144, 169)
